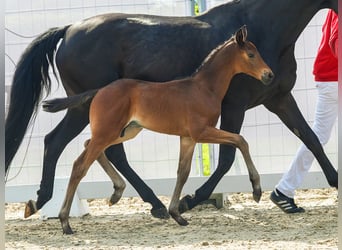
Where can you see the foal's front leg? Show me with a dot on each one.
(187, 146)
(214, 135)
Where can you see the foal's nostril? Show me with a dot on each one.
(267, 77)
(270, 75)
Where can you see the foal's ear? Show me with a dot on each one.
(241, 35)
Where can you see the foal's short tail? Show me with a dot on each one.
(59, 104)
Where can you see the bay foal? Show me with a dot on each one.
(189, 108)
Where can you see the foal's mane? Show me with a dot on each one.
(213, 53)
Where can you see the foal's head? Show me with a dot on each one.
(248, 59)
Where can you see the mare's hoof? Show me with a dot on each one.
(180, 220)
(160, 213)
(257, 195)
(183, 204)
(333, 179)
(30, 208)
(334, 184)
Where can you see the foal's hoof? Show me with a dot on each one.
(180, 220)
(30, 208)
(160, 213)
(183, 204)
(67, 230)
(114, 199)
(257, 195)
(66, 226)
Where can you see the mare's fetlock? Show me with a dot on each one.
(184, 204)
(333, 183)
(160, 213)
(43, 197)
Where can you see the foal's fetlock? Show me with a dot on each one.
(116, 196)
(30, 208)
(255, 180)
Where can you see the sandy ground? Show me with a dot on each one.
(241, 224)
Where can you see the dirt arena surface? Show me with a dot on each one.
(241, 224)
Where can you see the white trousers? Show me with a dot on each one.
(325, 118)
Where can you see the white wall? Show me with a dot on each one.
(152, 155)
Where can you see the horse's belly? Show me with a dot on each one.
(163, 124)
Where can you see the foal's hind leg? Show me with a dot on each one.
(187, 146)
(80, 168)
(118, 182)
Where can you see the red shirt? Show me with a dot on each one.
(325, 65)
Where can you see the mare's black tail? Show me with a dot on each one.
(59, 104)
(30, 77)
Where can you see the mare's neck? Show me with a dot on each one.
(289, 17)
(289, 26)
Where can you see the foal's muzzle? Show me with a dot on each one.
(267, 77)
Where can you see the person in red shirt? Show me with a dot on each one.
(325, 71)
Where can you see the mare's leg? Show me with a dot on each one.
(79, 170)
(118, 182)
(117, 156)
(285, 107)
(187, 146)
(72, 124)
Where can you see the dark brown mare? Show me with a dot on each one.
(101, 49)
(189, 108)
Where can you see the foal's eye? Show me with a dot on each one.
(251, 55)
